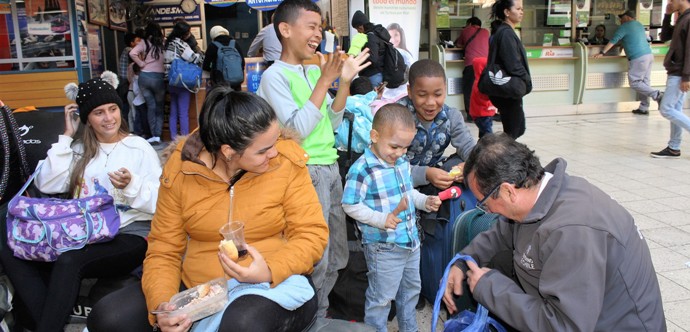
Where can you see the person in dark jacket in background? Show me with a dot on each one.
(513, 59)
(361, 23)
(677, 64)
(222, 36)
(577, 261)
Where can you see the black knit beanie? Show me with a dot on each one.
(93, 93)
(359, 18)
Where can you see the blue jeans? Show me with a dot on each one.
(179, 109)
(376, 79)
(152, 86)
(329, 189)
(639, 73)
(485, 125)
(671, 108)
(393, 275)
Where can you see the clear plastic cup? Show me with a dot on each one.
(234, 231)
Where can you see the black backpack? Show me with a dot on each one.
(393, 62)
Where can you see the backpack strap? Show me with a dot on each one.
(467, 43)
(232, 43)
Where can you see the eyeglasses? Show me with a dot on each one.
(481, 205)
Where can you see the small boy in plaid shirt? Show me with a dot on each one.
(379, 194)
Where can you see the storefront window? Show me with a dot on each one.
(35, 35)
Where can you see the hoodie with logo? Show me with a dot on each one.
(581, 262)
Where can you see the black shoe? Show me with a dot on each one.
(421, 303)
(641, 112)
(497, 117)
(666, 153)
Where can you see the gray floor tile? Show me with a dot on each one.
(670, 327)
(673, 218)
(677, 312)
(671, 291)
(668, 236)
(666, 259)
(680, 276)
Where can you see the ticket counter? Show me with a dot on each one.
(566, 80)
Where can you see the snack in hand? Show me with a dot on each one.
(229, 248)
(455, 172)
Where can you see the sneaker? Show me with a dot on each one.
(155, 140)
(666, 153)
(659, 97)
(641, 112)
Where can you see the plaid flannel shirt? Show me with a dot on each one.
(381, 187)
(124, 63)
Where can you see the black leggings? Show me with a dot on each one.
(512, 115)
(48, 291)
(247, 313)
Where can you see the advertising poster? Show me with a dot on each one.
(254, 70)
(614, 7)
(403, 19)
(558, 13)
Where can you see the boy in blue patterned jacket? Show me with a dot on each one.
(377, 191)
(438, 126)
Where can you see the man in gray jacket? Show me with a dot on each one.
(579, 261)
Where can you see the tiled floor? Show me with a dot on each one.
(612, 151)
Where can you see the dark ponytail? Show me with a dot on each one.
(233, 118)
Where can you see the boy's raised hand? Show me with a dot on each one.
(332, 67)
(353, 65)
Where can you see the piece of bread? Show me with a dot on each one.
(229, 248)
(203, 290)
(455, 172)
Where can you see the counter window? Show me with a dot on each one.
(35, 35)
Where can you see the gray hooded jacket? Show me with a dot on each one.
(582, 264)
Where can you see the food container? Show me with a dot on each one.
(201, 301)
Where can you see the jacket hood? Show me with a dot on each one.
(382, 33)
(359, 18)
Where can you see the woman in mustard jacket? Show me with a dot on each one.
(239, 144)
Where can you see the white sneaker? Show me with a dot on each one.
(154, 140)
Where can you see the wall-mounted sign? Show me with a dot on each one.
(168, 13)
(221, 3)
(265, 4)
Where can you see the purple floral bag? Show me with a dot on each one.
(40, 229)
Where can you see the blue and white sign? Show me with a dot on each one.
(221, 3)
(168, 13)
(265, 4)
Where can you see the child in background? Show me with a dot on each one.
(481, 108)
(299, 95)
(438, 125)
(362, 95)
(140, 110)
(379, 195)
